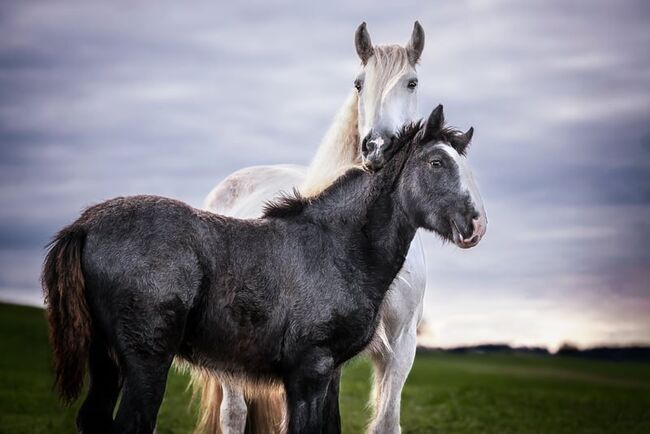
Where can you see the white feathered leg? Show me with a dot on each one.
(391, 371)
(233, 409)
(401, 314)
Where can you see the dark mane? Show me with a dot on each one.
(294, 203)
(285, 205)
(406, 134)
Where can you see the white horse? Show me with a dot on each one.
(384, 99)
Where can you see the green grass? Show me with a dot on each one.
(444, 394)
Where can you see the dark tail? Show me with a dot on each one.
(67, 311)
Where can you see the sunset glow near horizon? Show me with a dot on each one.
(169, 100)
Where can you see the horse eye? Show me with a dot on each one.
(358, 85)
(412, 84)
(435, 163)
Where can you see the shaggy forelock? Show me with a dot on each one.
(452, 136)
(387, 62)
(447, 135)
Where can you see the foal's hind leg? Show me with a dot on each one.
(148, 340)
(96, 413)
(391, 371)
(145, 377)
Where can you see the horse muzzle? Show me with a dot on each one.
(464, 240)
(374, 151)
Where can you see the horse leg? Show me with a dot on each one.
(391, 371)
(306, 389)
(146, 353)
(145, 378)
(233, 409)
(331, 414)
(96, 413)
(305, 399)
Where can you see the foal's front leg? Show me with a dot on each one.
(306, 389)
(331, 414)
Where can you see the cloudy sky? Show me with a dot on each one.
(99, 100)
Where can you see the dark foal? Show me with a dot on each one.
(288, 298)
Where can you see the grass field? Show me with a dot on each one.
(444, 393)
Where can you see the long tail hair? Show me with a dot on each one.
(265, 406)
(67, 311)
(207, 390)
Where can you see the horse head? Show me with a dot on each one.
(387, 90)
(437, 188)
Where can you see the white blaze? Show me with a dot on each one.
(467, 181)
(379, 142)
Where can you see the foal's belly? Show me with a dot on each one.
(236, 338)
(232, 358)
(243, 338)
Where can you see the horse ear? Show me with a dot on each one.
(462, 141)
(469, 134)
(416, 44)
(435, 122)
(362, 43)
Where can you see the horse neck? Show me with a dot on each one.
(338, 150)
(388, 228)
(368, 204)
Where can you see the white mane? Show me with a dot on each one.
(338, 150)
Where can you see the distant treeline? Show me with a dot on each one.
(629, 353)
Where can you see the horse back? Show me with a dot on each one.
(244, 192)
(143, 266)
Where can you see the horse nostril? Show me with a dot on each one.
(370, 147)
(364, 144)
(478, 227)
